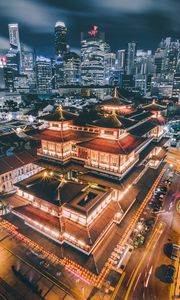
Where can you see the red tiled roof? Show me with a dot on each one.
(58, 116)
(70, 227)
(63, 136)
(9, 163)
(110, 121)
(124, 145)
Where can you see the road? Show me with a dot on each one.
(12, 252)
(140, 281)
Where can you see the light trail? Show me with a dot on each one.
(155, 236)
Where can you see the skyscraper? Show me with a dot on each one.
(60, 38)
(121, 59)
(109, 66)
(131, 57)
(14, 36)
(71, 68)
(92, 57)
(14, 41)
(43, 75)
(28, 63)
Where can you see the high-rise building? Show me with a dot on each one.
(92, 57)
(131, 57)
(176, 86)
(21, 83)
(13, 60)
(127, 82)
(43, 75)
(121, 59)
(144, 63)
(60, 38)
(59, 73)
(159, 60)
(71, 68)
(28, 63)
(9, 75)
(109, 66)
(2, 66)
(14, 36)
(14, 41)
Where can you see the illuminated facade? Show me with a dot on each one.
(109, 145)
(92, 57)
(71, 69)
(68, 212)
(43, 75)
(60, 38)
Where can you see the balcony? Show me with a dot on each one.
(114, 171)
(55, 156)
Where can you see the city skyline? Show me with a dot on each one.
(144, 22)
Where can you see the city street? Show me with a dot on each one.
(140, 281)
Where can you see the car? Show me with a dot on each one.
(176, 246)
(175, 253)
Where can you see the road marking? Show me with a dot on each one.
(64, 287)
(118, 286)
(157, 233)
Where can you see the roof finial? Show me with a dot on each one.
(113, 112)
(60, 110)
(115, 95)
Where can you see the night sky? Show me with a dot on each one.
(144, 21)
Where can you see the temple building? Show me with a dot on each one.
(69, 206)
(155, 108)
(109, 145)
(116, 104)
(77, 214)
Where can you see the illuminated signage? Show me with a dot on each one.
(93, 31)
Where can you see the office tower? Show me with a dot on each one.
(9, 75)
(127, 82)
(144, 62)
(107, 47)
(43, 75)
(131, 57)
(176, 86)
(28, 63)
(109, 66)
(121, 59)
(13, 60)
(172, 57)
(21, 83)
(159, 60)
(71, 68)
(2, 66)
(14, 41)
(60, 38)
(59, 73)
(14, 36)
(92, 57)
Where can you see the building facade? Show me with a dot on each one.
(43, 75)
(92, 57)
(60, 38)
